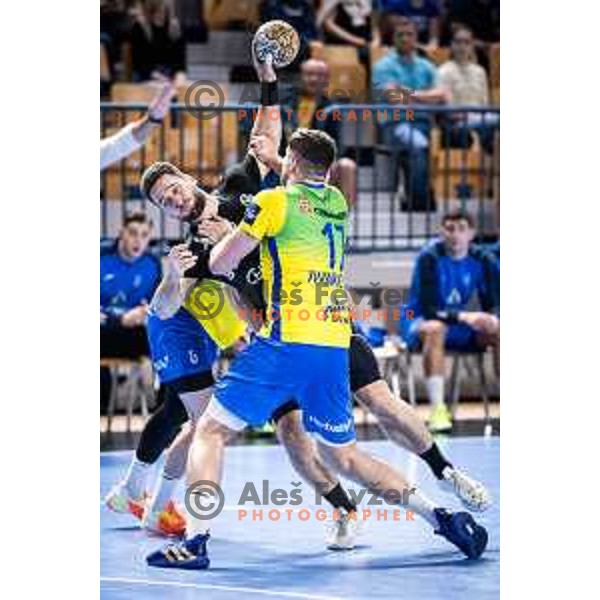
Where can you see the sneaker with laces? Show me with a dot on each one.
(471, 493)
(190, 554)
(341, 530)
(169, 521)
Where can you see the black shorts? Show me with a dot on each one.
(364, 370)
(190, 383)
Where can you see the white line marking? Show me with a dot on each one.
(223, 588)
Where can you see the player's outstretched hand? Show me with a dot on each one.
(180, 259)
(159, 106)
(215, 228)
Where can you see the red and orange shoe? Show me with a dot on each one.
(119, 500)
(169, 521)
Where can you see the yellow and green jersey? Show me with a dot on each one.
(303, 230)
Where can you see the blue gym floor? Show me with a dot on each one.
(288, 559)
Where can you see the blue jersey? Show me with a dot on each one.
(441, 283)
(179, 346)
(125, 284)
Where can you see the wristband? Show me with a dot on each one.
(269, 93)
(152, 119)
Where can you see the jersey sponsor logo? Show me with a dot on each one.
(252, 212)
(254, 275)
(340, 216)
(454, 297)
(326, 277)
(332, 427)
(305, 206)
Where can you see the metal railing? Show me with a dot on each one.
(403, 188)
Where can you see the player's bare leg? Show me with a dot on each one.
(403, 426)
(303, 454)
(161, 514)
(433, 335)
(378, 477)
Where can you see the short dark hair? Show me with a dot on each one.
(458, 215)
(153, 173)
(137, 216)
(315, 147)
(405, 22)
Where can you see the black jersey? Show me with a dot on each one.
(240, 183)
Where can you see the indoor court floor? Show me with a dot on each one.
(253, 559)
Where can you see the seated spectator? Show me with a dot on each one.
(157, 46)
(129, 274)
(468, 84)
(298, 13)
(425, 14)
(448, 274)
(349, 22)
(307, 110)
(482, 17)
(405, 72)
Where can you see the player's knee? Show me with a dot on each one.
(432, 330)
(210, 429)
(341, 458)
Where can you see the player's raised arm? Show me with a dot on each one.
(169, 295)
(133, 135)
(268, 120)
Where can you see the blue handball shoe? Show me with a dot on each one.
(190, 554)
(462, 530)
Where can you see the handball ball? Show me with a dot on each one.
(277, 39)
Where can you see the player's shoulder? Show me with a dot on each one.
(270, 195)
(434, 249)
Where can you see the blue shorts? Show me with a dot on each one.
(179, 346)
(459, 336)
(268, 374)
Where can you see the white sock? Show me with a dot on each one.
(435, 389)
(165, 488)
(136, 477)
(194, 525)
(423, 507)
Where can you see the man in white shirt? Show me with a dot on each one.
(133, 135)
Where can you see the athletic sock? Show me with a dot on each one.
(436, 461)
(165, 489)
(135, 480)
(435, 389)
(423, 507)
(338, 498)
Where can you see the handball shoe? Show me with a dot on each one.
(440, 419)
(472, 493)
(119, 500)
(190, 554)
(461, 530)
(340, 533)
(169, 521)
